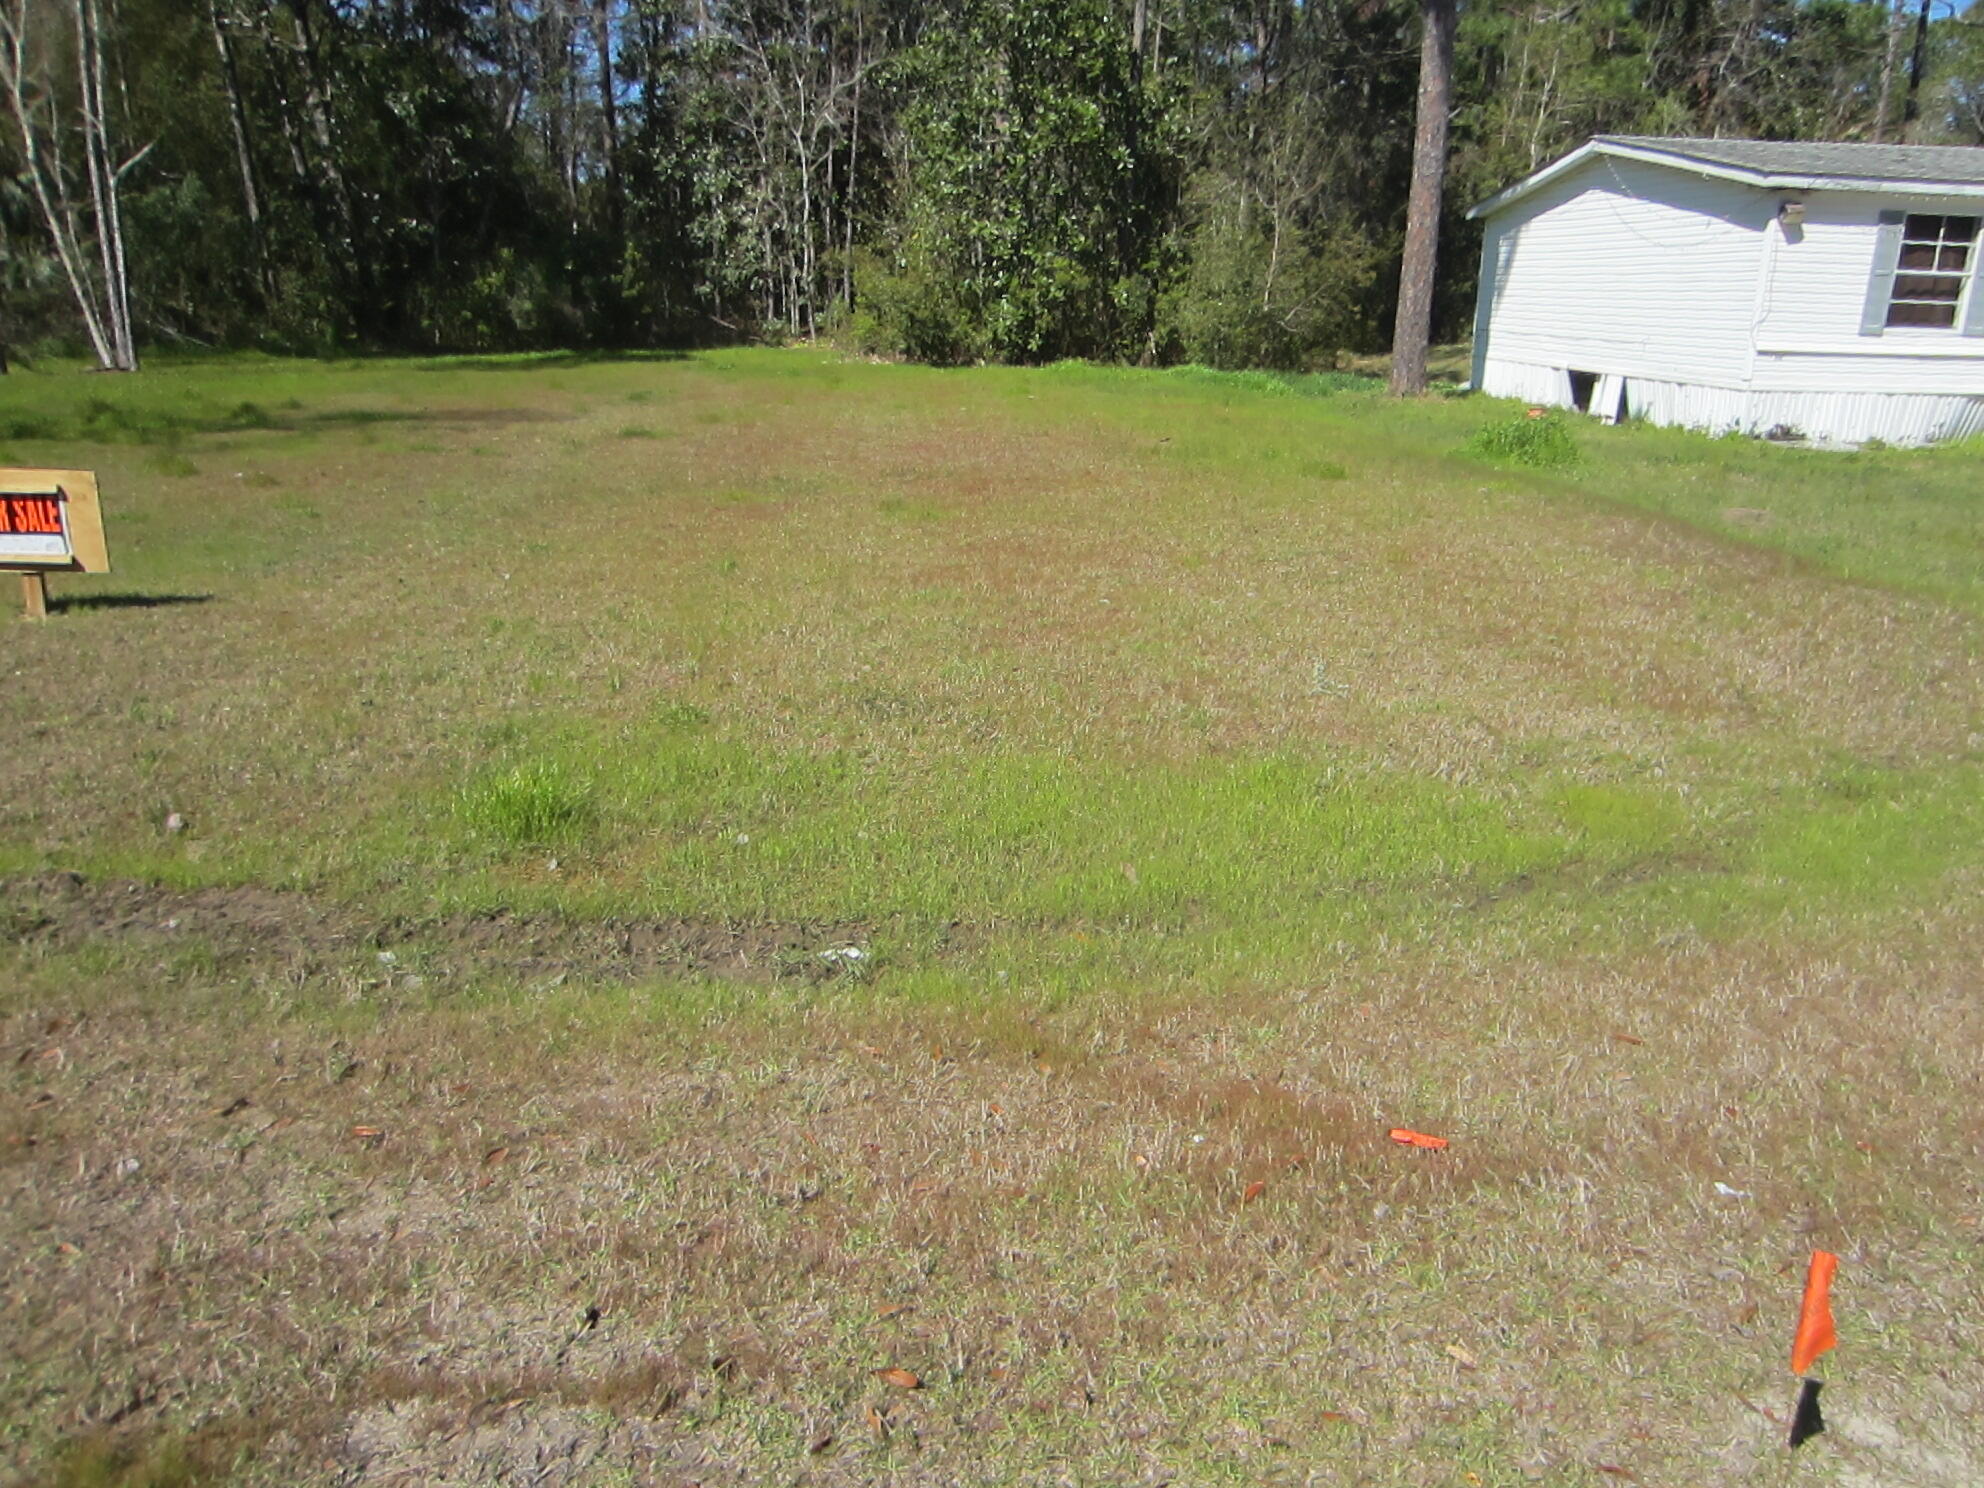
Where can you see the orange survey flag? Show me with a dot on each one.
(1815, 1333)
(1417, 1139)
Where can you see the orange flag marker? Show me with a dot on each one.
(1417, 1139)
(1815, 1331)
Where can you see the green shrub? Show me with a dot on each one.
(1540, 441)
(1252, 297)
(912, 308)
(527, 806)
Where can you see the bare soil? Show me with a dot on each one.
(246, 926)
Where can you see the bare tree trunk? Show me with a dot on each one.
(804, 248)
(46, 181)
(106, 177)
(1918, 63)
(286, 112)
(602, 31)
(853, 148)
(317, 109)
(515, 79)
(1414, 327)
(244, 155)
(568, 103)
(1890, 60)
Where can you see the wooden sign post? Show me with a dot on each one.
(50, 522)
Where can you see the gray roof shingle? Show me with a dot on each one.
(1947, 164)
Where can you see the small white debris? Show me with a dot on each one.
(174, 822)
(126, 1166)
(743, 839)
(1197, 1138)
(1725, 1191)
(845, 955)
(387, 958)
(172, 924)
(551, 865)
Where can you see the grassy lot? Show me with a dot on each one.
(563, 914)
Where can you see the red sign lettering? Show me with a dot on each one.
(37, 515)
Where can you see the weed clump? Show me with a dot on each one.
(29, 426)
(527, 806)
(250, 415)
(680, 717)
(1541, 441)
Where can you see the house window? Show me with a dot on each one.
(1934, 264)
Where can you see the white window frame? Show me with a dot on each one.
(1891, 237)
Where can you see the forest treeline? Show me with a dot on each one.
(1221, 181)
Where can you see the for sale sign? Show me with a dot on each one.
(50, 520)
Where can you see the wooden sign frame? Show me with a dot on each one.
(80, 528)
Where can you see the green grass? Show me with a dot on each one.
(530, 805)
(1212, 770)
(787, 659)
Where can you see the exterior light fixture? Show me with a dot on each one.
(1791, 214)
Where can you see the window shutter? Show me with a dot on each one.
(1880, 285)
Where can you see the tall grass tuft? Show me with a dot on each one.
(1539, 441)
(528, 806)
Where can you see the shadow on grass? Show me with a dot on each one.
(63, 603)
(106, 423)
(542, 361)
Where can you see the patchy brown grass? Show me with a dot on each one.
(346, 1140)
(683, 1247)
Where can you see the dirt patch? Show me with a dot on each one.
(244, 927)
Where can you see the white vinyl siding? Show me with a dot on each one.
(1810, 338)
(1715, 314)
(1626, 268)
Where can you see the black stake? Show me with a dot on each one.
(1806, 1422)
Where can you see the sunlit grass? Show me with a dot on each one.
(1174, 653)
(1210, 772)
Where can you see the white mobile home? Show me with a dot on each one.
(1821, 290)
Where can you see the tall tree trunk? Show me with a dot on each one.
(244, 155)
(103, 176)
(1414, 326)
(350, 254)
(1890, 61)
(46, 180)
(853, 154)
(609, 119)
(1918, 63)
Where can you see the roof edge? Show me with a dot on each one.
(1627, 149)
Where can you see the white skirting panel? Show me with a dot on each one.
(1855, 418)
(1690, 405)
(1830, 417)
(1549, 386)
